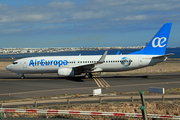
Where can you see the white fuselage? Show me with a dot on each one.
(112, 63)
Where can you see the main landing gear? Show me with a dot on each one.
(88, 75)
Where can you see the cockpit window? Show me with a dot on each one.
(15, 63)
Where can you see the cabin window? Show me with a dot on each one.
(15, 63)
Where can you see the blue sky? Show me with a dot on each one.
(86, 23)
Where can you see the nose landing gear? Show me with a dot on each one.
(22, 77)
(21, 74)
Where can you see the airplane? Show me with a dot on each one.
(70, 66)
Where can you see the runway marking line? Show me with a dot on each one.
(84, 88)
(96, 82)
(46, 91)
(100, 81)
(105, 82)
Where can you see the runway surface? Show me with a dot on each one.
(12, 87)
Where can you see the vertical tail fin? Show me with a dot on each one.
(157, 46)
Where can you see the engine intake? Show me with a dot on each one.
(66, 72)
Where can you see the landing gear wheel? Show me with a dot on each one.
(22, 77)
(88, 75)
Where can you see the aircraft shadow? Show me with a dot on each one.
(75, 79)
(160, 76)
(142, 76)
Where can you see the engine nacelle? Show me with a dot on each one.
(66, 72)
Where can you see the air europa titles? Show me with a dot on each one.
(44, 62)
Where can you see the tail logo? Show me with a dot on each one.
(159, 43)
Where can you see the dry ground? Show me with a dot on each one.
(158, 107)
(3, 64)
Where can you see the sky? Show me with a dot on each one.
(86, 23)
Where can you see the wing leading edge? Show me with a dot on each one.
(91, 67)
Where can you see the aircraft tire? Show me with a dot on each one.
(88, 75)
(22, 77)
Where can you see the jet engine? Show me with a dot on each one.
(66, 72)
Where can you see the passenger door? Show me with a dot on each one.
(25, 64)
(140, 61)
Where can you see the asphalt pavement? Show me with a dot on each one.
(37, 85)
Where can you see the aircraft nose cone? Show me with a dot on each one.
(8, 67)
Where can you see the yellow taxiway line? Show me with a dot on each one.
(100, 81)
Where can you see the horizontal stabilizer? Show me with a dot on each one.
(118, 53)
(162, 56)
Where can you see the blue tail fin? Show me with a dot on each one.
(157, 46)
(118, 52)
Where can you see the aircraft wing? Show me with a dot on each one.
(91, 66)
(163, 56)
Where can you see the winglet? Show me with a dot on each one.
(101, 60)
(118, 52)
